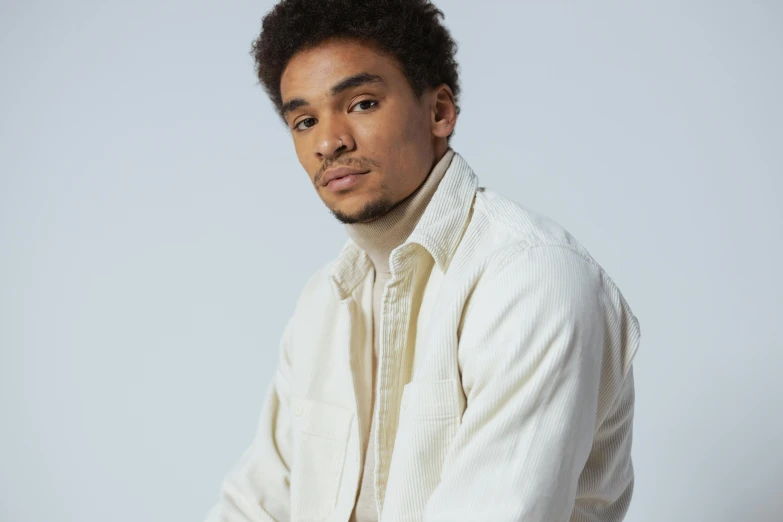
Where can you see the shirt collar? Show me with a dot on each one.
(381, 236)
(438, 231)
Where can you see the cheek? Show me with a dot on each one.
(390, 126)
(300, 148)
(372, 133)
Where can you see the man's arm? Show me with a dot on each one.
(257, 487)
(544, 348)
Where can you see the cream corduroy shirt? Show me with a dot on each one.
(378, 238)
(504, 387)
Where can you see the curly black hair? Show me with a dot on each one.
(407, 29)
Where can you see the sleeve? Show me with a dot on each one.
(544, 346)
(256, 489)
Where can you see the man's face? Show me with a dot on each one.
(349, 105)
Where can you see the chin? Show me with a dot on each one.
(363, 212)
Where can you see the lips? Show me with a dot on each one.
(340, 172)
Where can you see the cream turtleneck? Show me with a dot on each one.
(378, 238)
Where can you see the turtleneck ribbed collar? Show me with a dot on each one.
(379, 237)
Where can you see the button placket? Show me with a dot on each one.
(396, 294)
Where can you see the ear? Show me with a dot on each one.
(443, 111)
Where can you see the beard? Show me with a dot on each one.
(371, 211)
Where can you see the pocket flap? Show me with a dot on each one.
(321, 419)
(434, 399)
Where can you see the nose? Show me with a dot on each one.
(333, 140)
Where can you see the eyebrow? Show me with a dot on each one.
(344, 84)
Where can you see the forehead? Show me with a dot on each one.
(313, 71)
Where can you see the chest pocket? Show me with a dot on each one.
(430, 414)
(320, 436)
(431, 400)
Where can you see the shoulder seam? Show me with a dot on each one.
(516, 248)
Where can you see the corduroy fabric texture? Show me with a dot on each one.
(378, 238)
(504, 391)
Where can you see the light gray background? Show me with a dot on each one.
(156, 229)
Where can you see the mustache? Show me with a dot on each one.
(357, 162)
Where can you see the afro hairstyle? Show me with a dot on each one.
(409, 30)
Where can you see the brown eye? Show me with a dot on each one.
(365, 105)
(298, 126)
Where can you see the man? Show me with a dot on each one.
(463, 358)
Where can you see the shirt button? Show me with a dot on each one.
(298, 410)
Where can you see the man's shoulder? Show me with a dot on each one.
(504, 227)
(524, 249)
(318, 284)
(513, 235)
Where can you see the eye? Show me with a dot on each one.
(299, 127)
(366, 105)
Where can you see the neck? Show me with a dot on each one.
(382, 235)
